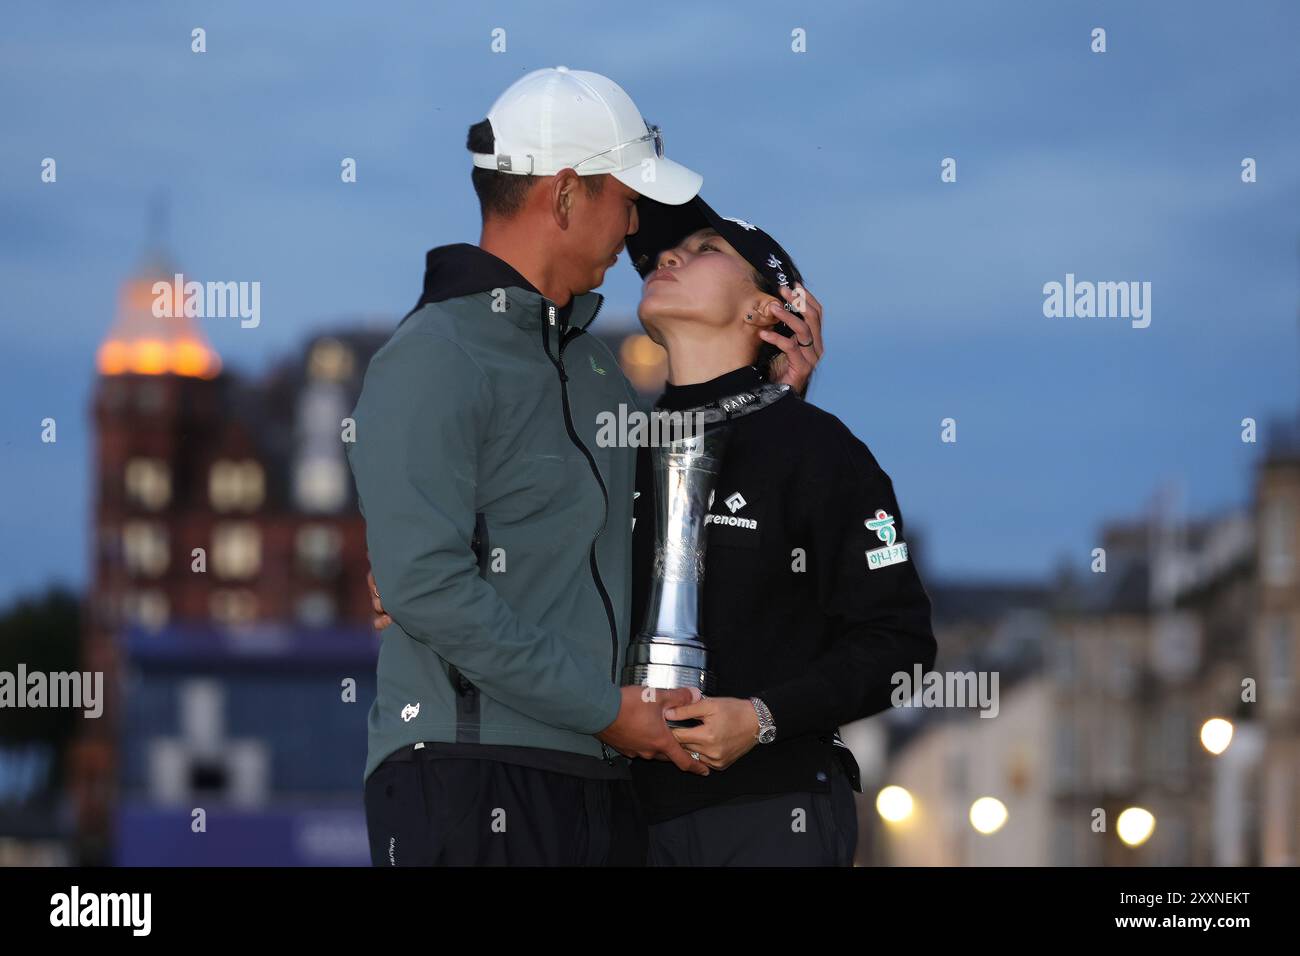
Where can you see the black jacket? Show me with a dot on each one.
(795, 611)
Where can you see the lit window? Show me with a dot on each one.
(318, 549)
(330, 361)
(236, 549)
(148, 609)
(316, 609)
(236, 485)
(148, 483)
(233, 607)
(321, 484)
(144, 548)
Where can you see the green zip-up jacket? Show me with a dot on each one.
(498, 528)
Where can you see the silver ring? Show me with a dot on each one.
(806, 345)
(694, 755)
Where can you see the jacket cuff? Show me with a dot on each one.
(606, 708)
(791, 718)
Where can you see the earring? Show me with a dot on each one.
(749, 317)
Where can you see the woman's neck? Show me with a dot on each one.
(695, 358)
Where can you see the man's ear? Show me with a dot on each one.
(562, 193)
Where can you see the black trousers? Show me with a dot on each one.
(787, 829)
(457, 811)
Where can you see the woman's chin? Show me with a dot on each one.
(649, 313)
(662, 301)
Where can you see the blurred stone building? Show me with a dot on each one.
(1163, 685)
(225, 544)
(1275, 652)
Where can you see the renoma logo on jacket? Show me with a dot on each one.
(734, 501)
(883, 525)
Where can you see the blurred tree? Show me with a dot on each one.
(43, 634)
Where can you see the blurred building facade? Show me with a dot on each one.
(1191, 621)
(1276, 656)
(227, 604)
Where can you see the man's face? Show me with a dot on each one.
(598, 229)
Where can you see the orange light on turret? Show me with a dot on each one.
(193, 358)
(112, 359)
(149, 357)
(142, 343)
(189, 358)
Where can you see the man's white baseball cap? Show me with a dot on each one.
(559, 118)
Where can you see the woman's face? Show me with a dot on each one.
(703, 280)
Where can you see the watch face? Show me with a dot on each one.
(767, 735)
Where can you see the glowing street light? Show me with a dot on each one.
(1135, 826)
(1216, 734)
(988, 814)
(894, 804)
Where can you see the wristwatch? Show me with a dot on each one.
(766, 728)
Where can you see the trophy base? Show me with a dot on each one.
(667, 677)
(669, 665)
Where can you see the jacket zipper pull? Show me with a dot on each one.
(559, 363)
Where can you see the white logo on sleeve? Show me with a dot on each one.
(892, 553)
(410, 711)
(735, 501)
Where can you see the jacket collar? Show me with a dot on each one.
(679, 397)
(462, 269)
